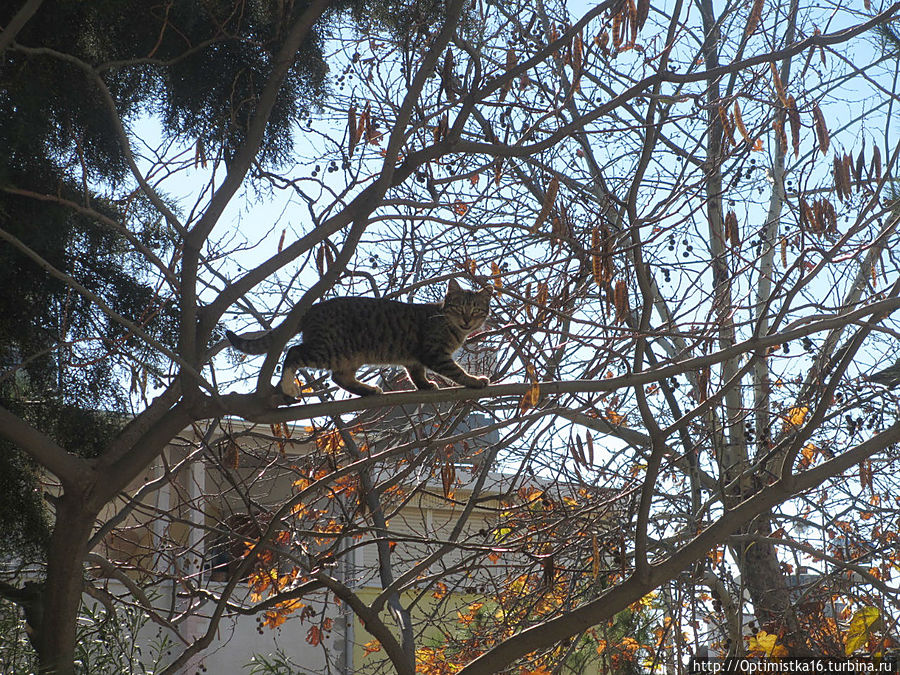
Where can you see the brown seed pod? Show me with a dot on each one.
(821, 129)
(837, 171)
(739, 122)
(620, 300)
(847, 173)
(780, 135)
(794, 119)
(352, 130)
(779, 86)
(596, 256)
(753, 19)
(732, 233)
(818, 222)
(547, 206)
(875, 170)
(727, 126)
(807, 215)
(643, 11)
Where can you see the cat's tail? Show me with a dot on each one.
(253, 345)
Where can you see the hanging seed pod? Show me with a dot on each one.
(830, 217)
(794, 119)
(821, 129)
(739, 122)
(727, 126)
(780, 135)
(620, 300)
(543, 294)
(641, 14)
(838, 174)
(578, 451)
(731, 229)
(352, 130)
(362, 124)
(617, 31)
(528, 309)
(496, 275)
(861, 165)
(753, 19)
(784, 246)
(512, 60)
(875, 170)
(547, 206)
(820, 224)
(631, 15)
(846, 170)
(596, 257)
(807, 214)
(779, 86)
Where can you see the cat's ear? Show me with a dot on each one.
(453, 286)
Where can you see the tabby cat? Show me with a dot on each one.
(342, 334)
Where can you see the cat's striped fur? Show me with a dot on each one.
(342, 334)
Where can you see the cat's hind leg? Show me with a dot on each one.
(417, 375)
(297, 357)
(346, 379)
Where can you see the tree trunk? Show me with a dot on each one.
(64, 584)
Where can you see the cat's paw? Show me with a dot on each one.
(290, 387)
(425, 385)
(479, 382)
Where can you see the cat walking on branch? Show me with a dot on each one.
(343, 334)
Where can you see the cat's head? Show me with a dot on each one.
(466, 310)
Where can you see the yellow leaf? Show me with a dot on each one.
(860, 628)
(767, 643)
(532, 396)
(796, 415)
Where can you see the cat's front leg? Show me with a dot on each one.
(417, 375)
(446, 366)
